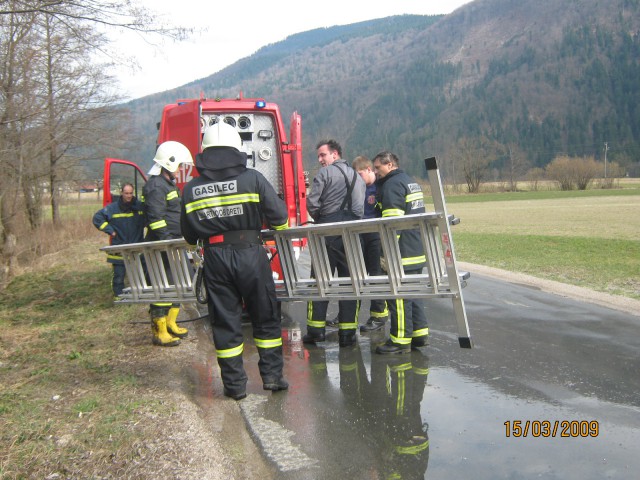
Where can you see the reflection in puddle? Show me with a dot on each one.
(353, 414)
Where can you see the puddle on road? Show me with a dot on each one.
(350, 413)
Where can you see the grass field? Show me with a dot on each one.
(586, 239)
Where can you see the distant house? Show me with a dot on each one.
(88, 188)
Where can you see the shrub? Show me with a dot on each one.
(572, 172)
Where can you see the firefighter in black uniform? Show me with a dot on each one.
(162, 207)
(399, 194)
(123, 221)
(225, 208)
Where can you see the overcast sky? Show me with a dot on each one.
(237, 29)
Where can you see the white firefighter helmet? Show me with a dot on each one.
(221, 134)
(169, 156)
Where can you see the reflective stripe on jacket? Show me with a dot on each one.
(242, 202)
(127, 225)
(399, 194)
(162, 206)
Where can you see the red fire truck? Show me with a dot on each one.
(264, 139)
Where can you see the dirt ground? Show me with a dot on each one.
(208, 435)
(205, 437)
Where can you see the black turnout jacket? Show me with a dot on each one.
(399, 194)
(227, 197)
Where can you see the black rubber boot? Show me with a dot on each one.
(234, 378)
(422, 341)
(275, 385)
(333, 322)
(392, 348)
(235, 395)
(373, 324)
(313, 336)
(347, 339)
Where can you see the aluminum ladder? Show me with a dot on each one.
(171, 265)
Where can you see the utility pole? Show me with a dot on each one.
(606, 147)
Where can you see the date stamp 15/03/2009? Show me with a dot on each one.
(552, 428)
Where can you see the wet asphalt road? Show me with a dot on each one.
(567, 371)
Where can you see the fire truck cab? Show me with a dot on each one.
(264, 139)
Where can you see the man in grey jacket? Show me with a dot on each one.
(337, 195)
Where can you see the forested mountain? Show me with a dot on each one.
(532, 78)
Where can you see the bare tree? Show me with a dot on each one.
(75, 91)
(516, 166)
(16, 74)
(474, 155)
(586, 170)
(534, 176)
(123, 14)
(616, 172)
(56, 101)
(559, 170)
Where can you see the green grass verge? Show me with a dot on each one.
(611, 266)
(75, 397)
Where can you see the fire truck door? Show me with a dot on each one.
(295, 135)
(116, 174)
(182, 123)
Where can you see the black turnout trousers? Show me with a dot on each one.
(236, 275)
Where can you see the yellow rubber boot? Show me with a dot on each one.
(172, 326)
(160, 335)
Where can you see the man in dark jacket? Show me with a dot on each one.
(162, 207)
(226, 207)
(337, 195)
(123, 221)
(399, 194)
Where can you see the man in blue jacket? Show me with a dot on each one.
(123, 220)
(371, 246)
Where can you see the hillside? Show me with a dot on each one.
(536, 77)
